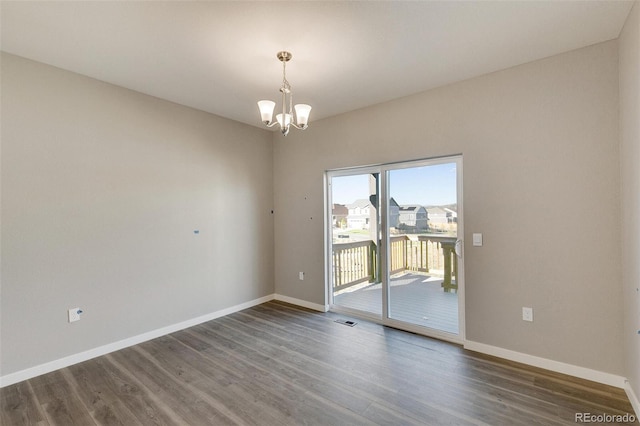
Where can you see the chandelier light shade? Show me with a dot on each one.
(301, 110)
(266, 110)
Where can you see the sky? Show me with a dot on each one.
(428, 186)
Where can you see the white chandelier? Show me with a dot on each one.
(285, 119)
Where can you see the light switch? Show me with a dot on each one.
(477, 240)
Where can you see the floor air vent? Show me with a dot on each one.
(346, 322)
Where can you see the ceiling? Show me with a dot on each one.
(220, 57)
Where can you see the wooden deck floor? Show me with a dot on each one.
(415, 298)
(276, 364)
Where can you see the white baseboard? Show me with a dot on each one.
(48, 367)
(300, 302)
(633, 398)
(560, 367)
(548, 364)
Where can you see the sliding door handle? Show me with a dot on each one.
(458, 248)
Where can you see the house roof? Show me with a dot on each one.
(436, 211)
(409, 208)
(361, 203)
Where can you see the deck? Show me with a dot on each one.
(415, 298)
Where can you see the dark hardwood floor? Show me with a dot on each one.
(276, 364)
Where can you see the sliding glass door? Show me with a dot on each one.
(394, 253)
(354, 235)
(422, 230)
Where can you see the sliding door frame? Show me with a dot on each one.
(330, 174)
(383, 171)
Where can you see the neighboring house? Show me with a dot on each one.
(413, 216)
(360, 214)
(437, 216)
(442, 217)
(452, 215)
(394, 213)
(339, 214)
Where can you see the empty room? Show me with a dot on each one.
(319, 213)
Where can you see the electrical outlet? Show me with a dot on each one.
(301, 276)
(74, 314)
(527, 314)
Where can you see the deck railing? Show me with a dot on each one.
(355, 263)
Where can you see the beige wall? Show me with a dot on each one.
(541, 181)
(102, 189)
(630, 172)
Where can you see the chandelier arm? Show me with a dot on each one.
(273, 123)
(299, 127)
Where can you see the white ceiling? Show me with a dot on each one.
(220, 56)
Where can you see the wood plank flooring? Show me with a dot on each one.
(276, 364)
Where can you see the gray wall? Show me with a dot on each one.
(102, 189)
(630, 172)
(541, 181)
